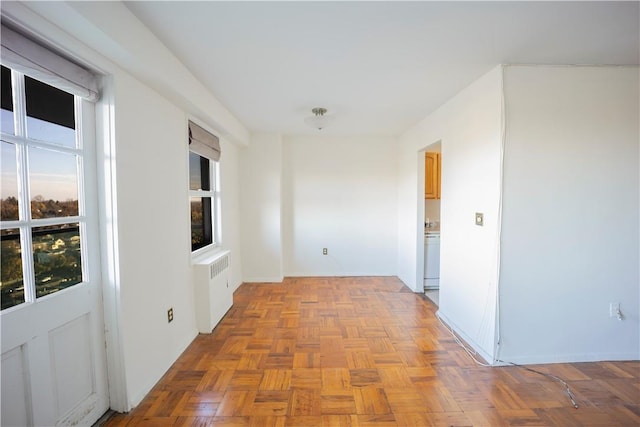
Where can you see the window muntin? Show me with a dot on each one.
(42, 205)
(204, 201)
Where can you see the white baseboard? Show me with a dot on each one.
(345, 274)
(542, 359)
(264, 279)
(474, 345)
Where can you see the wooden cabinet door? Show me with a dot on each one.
(432, 175)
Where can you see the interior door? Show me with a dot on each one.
(52, 323)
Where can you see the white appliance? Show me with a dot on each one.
(432, 260)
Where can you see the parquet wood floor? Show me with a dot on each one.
(365, 352)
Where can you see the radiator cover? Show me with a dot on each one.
(213, 296)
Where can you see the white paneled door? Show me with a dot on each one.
(53, 364)
(53, 346)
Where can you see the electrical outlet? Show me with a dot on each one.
(324, 251)
(479, 219)
(170, 315)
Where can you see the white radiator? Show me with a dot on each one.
(213, 297)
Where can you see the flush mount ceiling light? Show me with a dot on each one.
(318, 120)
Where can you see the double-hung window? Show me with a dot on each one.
(204, 188)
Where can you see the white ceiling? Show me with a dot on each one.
(378, 67)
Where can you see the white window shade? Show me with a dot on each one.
(36, 61)
(203, 142)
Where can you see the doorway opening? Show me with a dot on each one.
(429, 231)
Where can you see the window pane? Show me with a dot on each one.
(56, 257)
(11, 284)
(201, 234)
(50, 114)
(199, 172)
(9, 184)
(53, 183)
(6, 93)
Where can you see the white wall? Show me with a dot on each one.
(469, 127)
(154, 248)
(154, 236)
(339, 194)
(154, 231)
(231, 218)
(571, 209)
(261, 212)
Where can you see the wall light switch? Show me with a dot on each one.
(479, 219)
(614, 310)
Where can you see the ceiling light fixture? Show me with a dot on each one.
(318, 120)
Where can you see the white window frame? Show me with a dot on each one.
(25, 223)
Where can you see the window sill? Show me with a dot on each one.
(208, 255)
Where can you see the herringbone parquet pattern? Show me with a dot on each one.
(365, 352)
